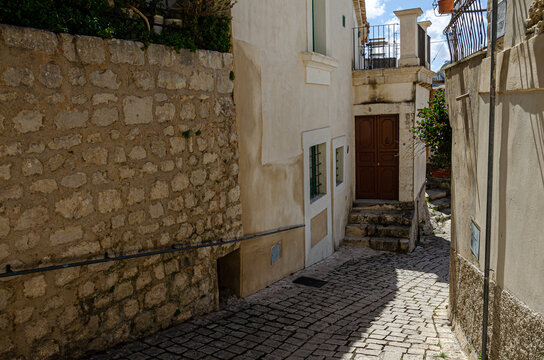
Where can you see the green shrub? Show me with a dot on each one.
(434, 131)
(203, 30)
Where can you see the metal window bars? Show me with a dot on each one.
(376, 47)
(315, 174)
(467, 31)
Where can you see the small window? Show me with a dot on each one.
(318, 184)
(339, 165)
(319, 30)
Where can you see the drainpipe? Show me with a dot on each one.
(489, 179)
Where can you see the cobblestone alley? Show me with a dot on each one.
(374, 305)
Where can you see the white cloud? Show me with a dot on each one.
(439, 48)
(374, 8)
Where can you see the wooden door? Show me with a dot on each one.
(377, 157)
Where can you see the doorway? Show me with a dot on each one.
(377, 157)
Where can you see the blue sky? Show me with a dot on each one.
(381, 12)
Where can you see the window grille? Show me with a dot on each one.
(339, 165)
(315, 172)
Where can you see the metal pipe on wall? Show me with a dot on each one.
(489, 199)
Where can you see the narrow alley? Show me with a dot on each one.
(373, 305)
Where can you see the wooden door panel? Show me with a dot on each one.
(377, 146)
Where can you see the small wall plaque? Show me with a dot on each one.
(475, 239)
(276, 252)
(501, 19)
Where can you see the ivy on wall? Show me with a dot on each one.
(203, 27)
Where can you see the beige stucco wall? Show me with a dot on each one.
(275, 105)
(517, 260)
(397, 91)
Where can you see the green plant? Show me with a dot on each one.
(186, 134)
(434, 130)
(442, 355)
(208, 28)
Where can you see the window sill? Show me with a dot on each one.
(318, 68)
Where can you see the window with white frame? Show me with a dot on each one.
(319, 26)
(318, 171)
(339, 155)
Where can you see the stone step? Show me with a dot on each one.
(375, 230)
(381, 217)
(435, 194)
(378, 243)
(440, 204)
(382, 205)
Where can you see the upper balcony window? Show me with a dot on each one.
(319, 26)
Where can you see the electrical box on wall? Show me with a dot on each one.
(276, 252)
(475, 239)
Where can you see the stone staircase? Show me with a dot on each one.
(381, 225)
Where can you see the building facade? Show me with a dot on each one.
(516, 307)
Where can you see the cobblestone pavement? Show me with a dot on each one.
(375, 305)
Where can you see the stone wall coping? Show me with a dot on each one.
(94, 50)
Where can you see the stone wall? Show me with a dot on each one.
(515, 330)
(106, 148)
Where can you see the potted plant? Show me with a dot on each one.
(445, 6)
(434, 131)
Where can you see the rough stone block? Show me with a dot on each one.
(90, 49)
(75, 180)
(118, 155)
(65, 142)
(159, 55)
(78, 205)
(18, 76)
(105, 116)
(201, 81)
(45, 186)
(32, 167)
(96, 155)
(99, 99)
(156, 210)
(10, 193)
(35, 287)
(156, 295)
(50, 76)
(159, 190)
(27, 38)
(210, 59)
(66, 235)
(170, 80)
(138, 110)
(144, 80)
(198, 177)
(137, 153)
(224, 84)
(109, 201)
(68, 46)
(126, 52)
(28, 121)
(71, 119)
(77, 77)
(104, 79)
(177, 145)
(5, 171)
(188, 112)
(165, 112)
(185, 57)
(136, 195)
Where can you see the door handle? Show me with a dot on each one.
(396, 155)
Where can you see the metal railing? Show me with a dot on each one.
(467, 31)
(376, 47)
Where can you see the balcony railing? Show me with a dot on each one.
(467, 30)
(376, 47)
